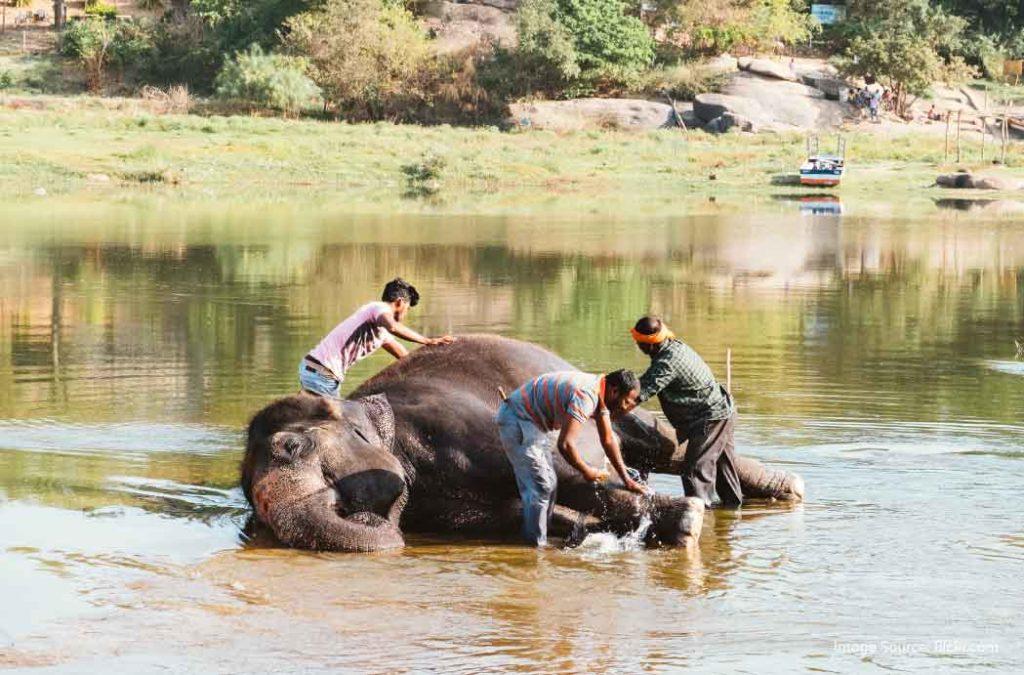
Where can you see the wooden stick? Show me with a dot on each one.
(728, 370)
(945, 156)
(983, 127)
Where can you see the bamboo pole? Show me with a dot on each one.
(958, 126)
(945, 156)
(983, 134)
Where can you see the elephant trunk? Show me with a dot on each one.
(305, 511)
(677, 521)
(760, 482)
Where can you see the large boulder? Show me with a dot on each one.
(784, 105)
(712, 106)
(723, 63)
(595, 113)
(969, 181)
(766, 68)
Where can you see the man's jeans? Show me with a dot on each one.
(316, 383)
(529, 450)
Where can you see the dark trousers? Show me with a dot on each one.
(710, 462)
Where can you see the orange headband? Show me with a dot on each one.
(654, 338)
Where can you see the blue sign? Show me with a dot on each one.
(828, 14)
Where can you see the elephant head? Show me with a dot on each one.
(321, 473)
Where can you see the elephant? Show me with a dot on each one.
(416, 449)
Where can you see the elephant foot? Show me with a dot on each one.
(677, 521)
(760, 482)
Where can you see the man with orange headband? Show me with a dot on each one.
(699, 408)
(562, 402)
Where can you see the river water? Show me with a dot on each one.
(873, 355)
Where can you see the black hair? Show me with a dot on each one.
(623, 380)
(400, 289)
(648, 325)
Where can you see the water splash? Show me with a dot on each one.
(600, 544)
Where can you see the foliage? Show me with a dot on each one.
(6, 79)
(20, 3)
(364, 55)
(150, 5)
(185, 51)
(682, 82)
(717, 26)
(906, 44)
(240, 23)
(571, 47)
(423, 178)
(272, 81)
(101, 10)
(98, 45)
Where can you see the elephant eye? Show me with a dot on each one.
(359, 432)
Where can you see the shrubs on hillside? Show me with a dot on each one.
(571, 48)
(716, 26)
(101, 46)
(267, 81)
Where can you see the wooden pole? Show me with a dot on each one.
(945, 156)
(983, 127)
(1006, 136)
(958, 125)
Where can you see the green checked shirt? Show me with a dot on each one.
(685, 386)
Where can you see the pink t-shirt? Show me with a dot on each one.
(353, 339)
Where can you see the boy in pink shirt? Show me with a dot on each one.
(372, 326)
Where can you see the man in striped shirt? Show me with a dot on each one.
(561, 402)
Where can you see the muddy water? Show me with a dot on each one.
(874, 356)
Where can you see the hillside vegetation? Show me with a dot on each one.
(383, 59)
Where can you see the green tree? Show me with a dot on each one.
(572, 47)
(100, 45)
(364, 54)
(906, 44)
(716, 26)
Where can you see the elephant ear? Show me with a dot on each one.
(380, 414)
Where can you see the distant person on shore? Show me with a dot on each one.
(561, 402)
(874, 91)
(372, 326)
(701, 411)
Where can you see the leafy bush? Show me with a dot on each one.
(716, 26)
(273, 81)
(101, 10)
(366, 56)
(185, 50)
(6, 79)
(423, 178)
(99, 45)
(682, 82)
(571, 48)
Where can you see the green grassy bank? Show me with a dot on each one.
(115, 151)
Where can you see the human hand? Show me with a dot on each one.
(444, 340)
(637, 487)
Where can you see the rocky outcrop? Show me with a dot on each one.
(969, 181)
(712, 106)
(766, 68)
(785, 105)
(596, 113)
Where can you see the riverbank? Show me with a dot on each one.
(106, 149)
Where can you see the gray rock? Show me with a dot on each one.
(743, 62)
(766, 68)
(727, 121)
(690, 119)
(722, 63)
(784, 105)
(970, 181)
(712, 106)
